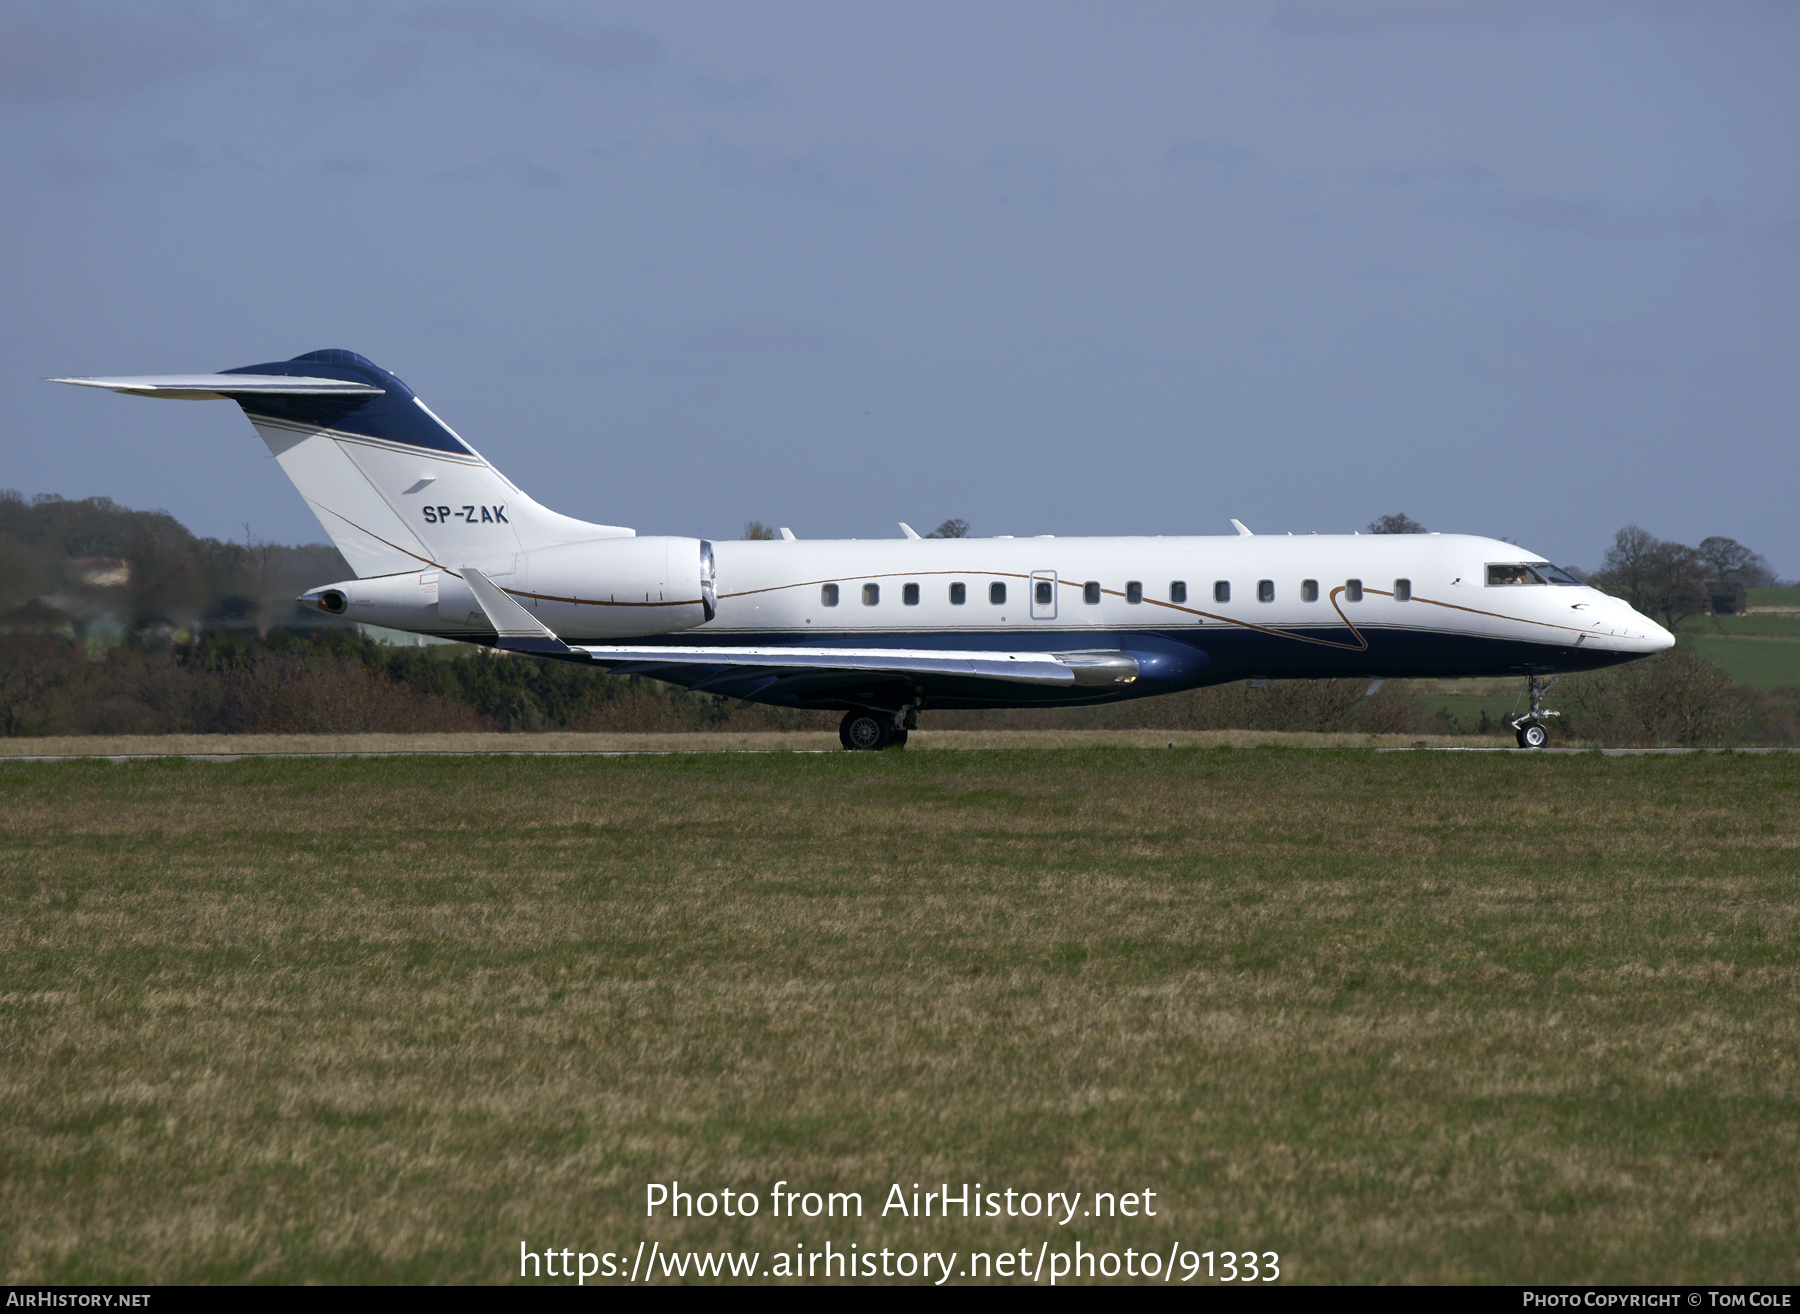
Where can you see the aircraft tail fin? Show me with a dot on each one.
(395, 487)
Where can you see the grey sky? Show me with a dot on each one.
(1510, 266)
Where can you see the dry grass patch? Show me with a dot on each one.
(1400, 1017)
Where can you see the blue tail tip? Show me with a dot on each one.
(338, 356)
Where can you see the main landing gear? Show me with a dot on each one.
(863, 731)
(1532, 729)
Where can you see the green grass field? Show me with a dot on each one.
(1761, 650)
(1406, 1017)
(1754, 660)
(1761, 625)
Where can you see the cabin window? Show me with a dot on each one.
(871, 595)
(1309, 590)
(1090, 593)
(959, 593)
(1222, 591)
(1353, 590)
(1134, 591)
(828, 595)
(1513, 574)
(1043, 589)
(1178, 590)
(997, 594)
(1403, 590)
(1265, 590)
(910, 595)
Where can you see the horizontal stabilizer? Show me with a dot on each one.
(395, 487)
(224, 387)
(518, 630)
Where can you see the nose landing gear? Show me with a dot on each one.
(1532, 729)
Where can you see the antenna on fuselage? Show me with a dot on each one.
(1242, 532)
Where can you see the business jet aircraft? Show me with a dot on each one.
(444, 544)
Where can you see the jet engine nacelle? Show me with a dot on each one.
(605, 589)
(608, 588)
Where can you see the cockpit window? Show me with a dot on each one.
(1555, 574)
(1513, 574)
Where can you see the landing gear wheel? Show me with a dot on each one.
(1532, 729)
(866, 732)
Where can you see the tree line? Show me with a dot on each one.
(1670, 580)
(93, 568)
(336, 681)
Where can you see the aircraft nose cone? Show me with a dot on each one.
(1644, 635)
(1634, 631)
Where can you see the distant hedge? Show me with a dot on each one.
(333, 682)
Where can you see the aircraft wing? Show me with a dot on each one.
(1069, 668)
(748, 671)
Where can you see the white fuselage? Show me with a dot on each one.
(1205, 609)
